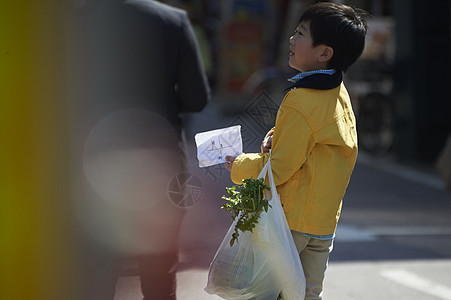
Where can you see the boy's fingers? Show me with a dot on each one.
(270, 133)
(230, 158)
(229, 162)
(269, 142)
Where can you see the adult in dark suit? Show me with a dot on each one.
(135, 66)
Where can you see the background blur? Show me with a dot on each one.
(244, 45)
(396, 220)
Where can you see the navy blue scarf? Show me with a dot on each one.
(318, 82)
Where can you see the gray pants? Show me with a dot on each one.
(314, 254)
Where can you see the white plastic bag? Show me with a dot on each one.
(263, 263)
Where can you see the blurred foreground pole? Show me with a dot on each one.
(422, 78)
(35, 241)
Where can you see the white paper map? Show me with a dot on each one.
(213, 146)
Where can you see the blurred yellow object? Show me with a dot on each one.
(33, 261)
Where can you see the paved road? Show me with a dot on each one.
(393, 239)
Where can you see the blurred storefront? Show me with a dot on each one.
(421, 78)
(398, 86)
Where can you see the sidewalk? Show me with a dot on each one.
(405, 260)
(397, 281)
(393, 240)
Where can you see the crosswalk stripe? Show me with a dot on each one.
(410, 230)
(429, 180)
(350, 233)
(418, 283)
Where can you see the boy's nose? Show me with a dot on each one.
(292, 40)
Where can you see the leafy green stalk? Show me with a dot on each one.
(246, 204)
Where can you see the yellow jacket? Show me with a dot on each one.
(314, 149)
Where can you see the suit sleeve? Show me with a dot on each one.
(192, 82)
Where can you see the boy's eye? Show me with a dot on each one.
(298, 32)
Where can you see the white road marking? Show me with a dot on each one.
(349, 233)
(410, 230)
(429, 180)
(418, 283)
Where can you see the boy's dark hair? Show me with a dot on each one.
(338, 26)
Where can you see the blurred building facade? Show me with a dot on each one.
(398, 87)
(421, 77)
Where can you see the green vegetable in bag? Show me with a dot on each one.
(246, 204)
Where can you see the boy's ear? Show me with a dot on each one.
(326, 54)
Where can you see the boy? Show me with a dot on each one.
(314, 141)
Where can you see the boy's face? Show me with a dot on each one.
(303, 56)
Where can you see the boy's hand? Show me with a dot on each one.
(267, 141)
(229, 162)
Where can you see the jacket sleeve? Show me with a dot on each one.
(292, 143)
(193, 89)
(247, 166)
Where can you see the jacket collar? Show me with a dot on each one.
(318, 82)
